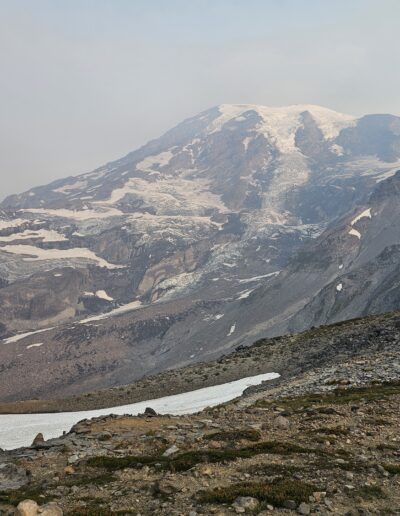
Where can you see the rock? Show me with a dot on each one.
(27, 508)
(13, 477)
(38, 440)
(69, 470)
(165, 488)
(246, 502)
(290, 504)
(319, 496)
(150, 412)
(51, 509)
(282, 422)
(173, 449)
(72, 459)
(304, 508)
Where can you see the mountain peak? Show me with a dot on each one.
(281, 123)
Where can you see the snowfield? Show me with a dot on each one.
(18, 430)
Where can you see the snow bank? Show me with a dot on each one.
(20, 429)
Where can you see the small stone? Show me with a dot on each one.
(173, 449)
(247, 503)
(304, 508)
(150, 412)
(290, 504)
(27, 508)
(319, 496)
(72, 459)
(282, 422)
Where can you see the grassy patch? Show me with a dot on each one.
(387, 446)
(14, 496)
(338, 396)
(393, 469)
(274, 493)
(87, 479)
(337, 430)
(92, 509)
(369, 492)
(234, 435)
(129, 461)
(377, 421)
(188, 460)
(271, 469)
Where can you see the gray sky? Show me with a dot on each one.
(84, 82)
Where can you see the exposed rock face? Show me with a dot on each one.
(12, 477)
(191, 242)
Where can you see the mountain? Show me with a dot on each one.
(241, 222)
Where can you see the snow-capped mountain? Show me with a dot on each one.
(178, 237)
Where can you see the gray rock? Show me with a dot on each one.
(246, 502)
(13, 477)
(282, 422)
(170, 451)
(290, 504)
(304, 508)
(38, 440)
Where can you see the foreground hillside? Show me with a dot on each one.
(324, 442)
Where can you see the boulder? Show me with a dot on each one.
(170, 451)
(150, 412)
(282, 422)
(12, 477)
(27, 508)
(38, 440)
(246, 502)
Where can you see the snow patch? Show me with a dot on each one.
(364, 214)
(18, 430)
(147, 164)
(232, 330)
(355, 233)
(280, 124)
(42, 234)
(85, 214)
(31, 253)
(21, 336)
(256, 278)
(34, 345)
(245, 294)
(102, 294)
(134, 305)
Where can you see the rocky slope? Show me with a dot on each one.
(323, 441)
(185, 248)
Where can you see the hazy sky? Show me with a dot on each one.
(83, 82)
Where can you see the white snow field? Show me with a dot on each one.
(18, 430)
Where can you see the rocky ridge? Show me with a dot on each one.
(322, 441)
